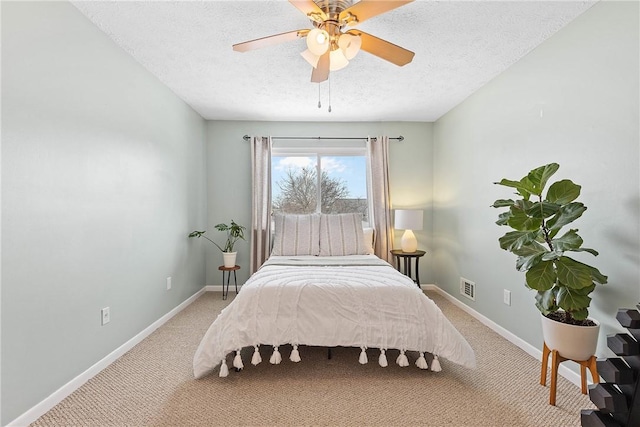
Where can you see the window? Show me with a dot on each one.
(306, 178)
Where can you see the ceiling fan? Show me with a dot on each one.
(330, 44)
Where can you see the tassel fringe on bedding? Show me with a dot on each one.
(237, 361)
(256, 357)
(402, 359)
(363, 356)
(224, 370)
(276, 358)
(435, 365)
(295, 354)
(422, 362)
(382, 359)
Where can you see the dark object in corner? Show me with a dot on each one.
(618, 400)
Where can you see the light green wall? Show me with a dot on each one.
(103, 174)
(573, 100)
(229, 175)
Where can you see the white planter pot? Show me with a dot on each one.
(571, 341)
(229, 258)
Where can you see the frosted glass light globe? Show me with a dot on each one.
(318, 41)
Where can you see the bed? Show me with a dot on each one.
(329, 297)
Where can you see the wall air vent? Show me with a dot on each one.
(468, 288)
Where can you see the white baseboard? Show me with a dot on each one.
(563, 370)
(56, 397)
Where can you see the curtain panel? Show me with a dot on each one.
(260, 201)
(378, 153)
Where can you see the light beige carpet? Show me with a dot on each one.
(152, 385)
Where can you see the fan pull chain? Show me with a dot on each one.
(319, 103)
(329, 82)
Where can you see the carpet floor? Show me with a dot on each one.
(153, 385)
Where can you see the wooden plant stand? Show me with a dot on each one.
(556, 360)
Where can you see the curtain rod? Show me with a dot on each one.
(247, 137)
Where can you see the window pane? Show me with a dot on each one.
(344, 185)
(294, 184)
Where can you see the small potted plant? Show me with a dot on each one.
(234, 233)
(563, 284)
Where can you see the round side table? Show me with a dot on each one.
(407, 257)
(227, 271)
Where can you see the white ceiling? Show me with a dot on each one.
(459, 46)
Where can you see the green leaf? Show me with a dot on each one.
(525, 262)
(541, 276)
(573, 274)
(523, 186)
(591, 251)
(563, 192)
(546, 301)
(597, 277)
(538, 177)
(567, 214)
(501, 203)
(573, 302)
(529, 255)
(552, 255)
(530, 248)
(584, 291)
(569, 241)
(581, 314)
(503, 218)
(542, 210)
(519, 220)
(514, 240)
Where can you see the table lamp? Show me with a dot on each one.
(408, 220)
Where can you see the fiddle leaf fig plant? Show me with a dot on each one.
(540, 244)
(234, 233)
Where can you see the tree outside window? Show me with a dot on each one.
(342, 184)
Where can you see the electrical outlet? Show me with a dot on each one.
(506, 297)
(106, 315)
(168, 283)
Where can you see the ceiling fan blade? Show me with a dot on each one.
(366, 9)
(270, 40)
(309, 8)
(321, 72)
(383, 49)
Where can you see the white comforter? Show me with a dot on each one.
(353, 301)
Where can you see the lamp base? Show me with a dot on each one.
(408, 242)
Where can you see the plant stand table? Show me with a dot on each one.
(556, 360)
(226, 271)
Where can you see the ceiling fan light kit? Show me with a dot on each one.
(310, 58)
(330, 47)
(350, 45)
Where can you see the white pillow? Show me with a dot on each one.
(341, 234)
(369, 240)
(296, 234)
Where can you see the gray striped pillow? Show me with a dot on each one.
(341, 234)
(296, 235)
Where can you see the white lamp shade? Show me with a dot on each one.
(350, 45)
(337, 60)
(311, 58)
(318, 41)
(408, 219)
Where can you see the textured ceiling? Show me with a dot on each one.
(459, 46)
